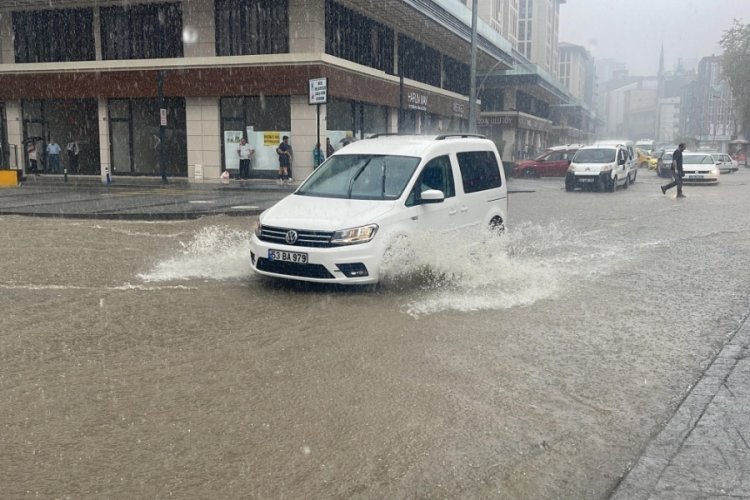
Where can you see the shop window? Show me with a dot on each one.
(53, 35)
(456, 76)
(263, 121)
(248, 27)
(142, 31)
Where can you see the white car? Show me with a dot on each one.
(724, 162)
(337, 226)
(598, 167)
(699, 168)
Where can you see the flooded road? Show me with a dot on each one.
(144, 359)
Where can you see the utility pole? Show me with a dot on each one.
(473, 70)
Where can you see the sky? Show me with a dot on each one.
(632, 31)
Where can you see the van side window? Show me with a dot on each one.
(437, 174)
(479, 171)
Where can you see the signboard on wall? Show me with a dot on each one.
(318, 91)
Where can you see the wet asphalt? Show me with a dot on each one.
(702, 451)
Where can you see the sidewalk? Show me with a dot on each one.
(704, 449)
(137, 198)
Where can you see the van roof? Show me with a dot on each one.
(412, 145)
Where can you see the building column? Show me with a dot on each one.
(204, 143)
(15, 133)
(305, 134)
(199, 28)
(307, 26)
(105, 160)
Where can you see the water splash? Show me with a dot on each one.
(437, 272)
(215, 252)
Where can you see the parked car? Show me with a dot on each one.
(552, 163)
(664, 168)
(598, 167)
(724, 162)
(339, 224)
(631, 166)
(700, 168)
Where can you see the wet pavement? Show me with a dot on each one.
(137, 198)
(702, 451)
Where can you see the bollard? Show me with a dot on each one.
(65, 174)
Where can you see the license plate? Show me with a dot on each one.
(694, 176)
(298, 257)
(585, 180)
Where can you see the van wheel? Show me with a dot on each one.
(627, 182)
(497, 226)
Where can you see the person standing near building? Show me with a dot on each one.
(32, 155)
(53, 156)
(246, 153)
(329, 148)
(677, 172)
(317, 156)
(73, 151)
(285, 161)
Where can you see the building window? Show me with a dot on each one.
(142, 31)
(54, 35)
(418, 61)
(456, 76)
(356, 38)
(250, 27)
(496, 16)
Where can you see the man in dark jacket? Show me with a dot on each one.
(677, 172)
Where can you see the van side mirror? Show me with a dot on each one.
(431, 196)
(621, 161)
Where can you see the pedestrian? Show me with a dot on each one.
(317, 156)
(677, 172)
(73, 150)
(53, 156)
(285, 161)
(329, 148)
(246, 153)
(32, 155)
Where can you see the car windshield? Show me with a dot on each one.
(697, 159)
(361, 177)
(667, 157)
(596, 155)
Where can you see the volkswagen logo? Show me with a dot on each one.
(291, 237)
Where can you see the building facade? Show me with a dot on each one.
(169, 88)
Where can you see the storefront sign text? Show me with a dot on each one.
(417, 101)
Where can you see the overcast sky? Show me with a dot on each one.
(632, 31)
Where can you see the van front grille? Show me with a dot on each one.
(305, 238)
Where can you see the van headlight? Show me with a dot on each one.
(606, 168)
(354, 235)
(257, 228)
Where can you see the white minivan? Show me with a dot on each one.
(337, 226)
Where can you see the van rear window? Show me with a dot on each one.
(479, 171)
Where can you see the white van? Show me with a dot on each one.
(598, 167)
(631, 161)
(337, 226)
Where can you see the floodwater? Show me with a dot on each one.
(145, 359)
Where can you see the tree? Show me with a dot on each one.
(736, 68)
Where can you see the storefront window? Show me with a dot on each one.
(263, 121)
(135, 137)
(65, 121)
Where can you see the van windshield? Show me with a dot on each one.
(597, 155)
(361, 177)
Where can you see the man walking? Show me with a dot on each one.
(677, 172)
(53, 156)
